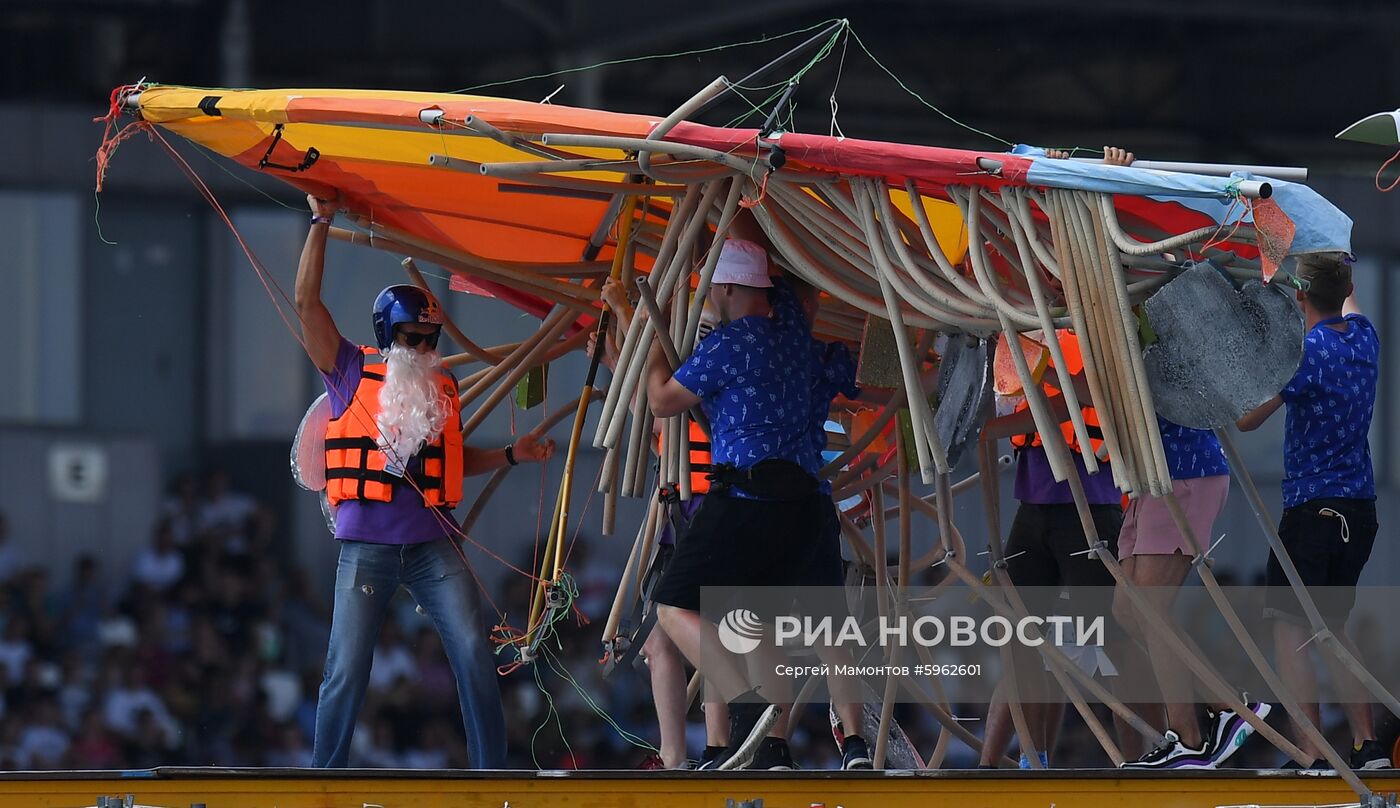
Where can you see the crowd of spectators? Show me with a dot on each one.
(208, 650)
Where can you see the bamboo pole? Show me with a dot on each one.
(1325, 637)
(932, 458)
(1057, 355)
(638, 356)
(625, 596)
(515, 358)
(628, 346)
(533, 358)
(901, 603)
(1096, 347)
(1202, 669)
(1093, 370)
(481, 354)
(1161, 473)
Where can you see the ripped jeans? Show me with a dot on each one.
(367, 577)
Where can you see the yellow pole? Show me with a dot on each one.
(558, 524)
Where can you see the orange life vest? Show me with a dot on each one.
(355, 464)
(1069, 345)
(700, 462)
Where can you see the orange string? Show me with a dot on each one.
(1387, 189)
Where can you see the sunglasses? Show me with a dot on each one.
(412, 338)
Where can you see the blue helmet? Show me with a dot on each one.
(403, 303)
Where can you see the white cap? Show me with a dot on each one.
(744, 263)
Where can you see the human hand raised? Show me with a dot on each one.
(533, 446)
(323, 207)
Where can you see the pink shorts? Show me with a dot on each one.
(1148, 528)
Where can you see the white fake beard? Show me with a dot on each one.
(412, 410)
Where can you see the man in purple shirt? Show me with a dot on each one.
(395, 463)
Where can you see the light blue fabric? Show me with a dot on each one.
(1321, 226)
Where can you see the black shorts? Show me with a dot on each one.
(1047, 546)
(1329, 541)
(827, 567)
(746, 542)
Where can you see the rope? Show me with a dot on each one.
(1387, 189)
(607, 63)
(924, 101)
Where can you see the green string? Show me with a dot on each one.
(554, 714)
(547, 632)
(921, 99)
(780, 87)
(713, 49)
(562, 672)
(205, 153)
(97, 220)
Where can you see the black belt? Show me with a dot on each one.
(770, 479)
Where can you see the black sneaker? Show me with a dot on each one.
(773, 755)
(1370, 755)
(1319, 765)
(855, 754)
(711, 757)
(749, 723)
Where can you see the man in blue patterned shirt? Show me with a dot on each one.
(1329, 491)
(753, 378)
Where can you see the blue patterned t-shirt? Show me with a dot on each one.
(833, 369)
(1192, 453)
(754, 380)
(1330, 402)
(833, 374)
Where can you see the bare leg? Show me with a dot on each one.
(1296, 670)
(1158, 578)
(668, 682)
(698, 640)
(717, 724)
(1040, 714)
(777, 689)
(997, 736)
(1052, 717)
(1355, 700)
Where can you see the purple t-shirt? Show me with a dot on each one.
(404, 519)
(688, 508)
(1036, 485)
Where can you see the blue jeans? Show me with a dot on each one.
(366, 579)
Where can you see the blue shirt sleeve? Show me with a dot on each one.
(1309, 370)
(710, 366)
(838, 371)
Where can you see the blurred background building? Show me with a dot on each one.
(166, 583)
